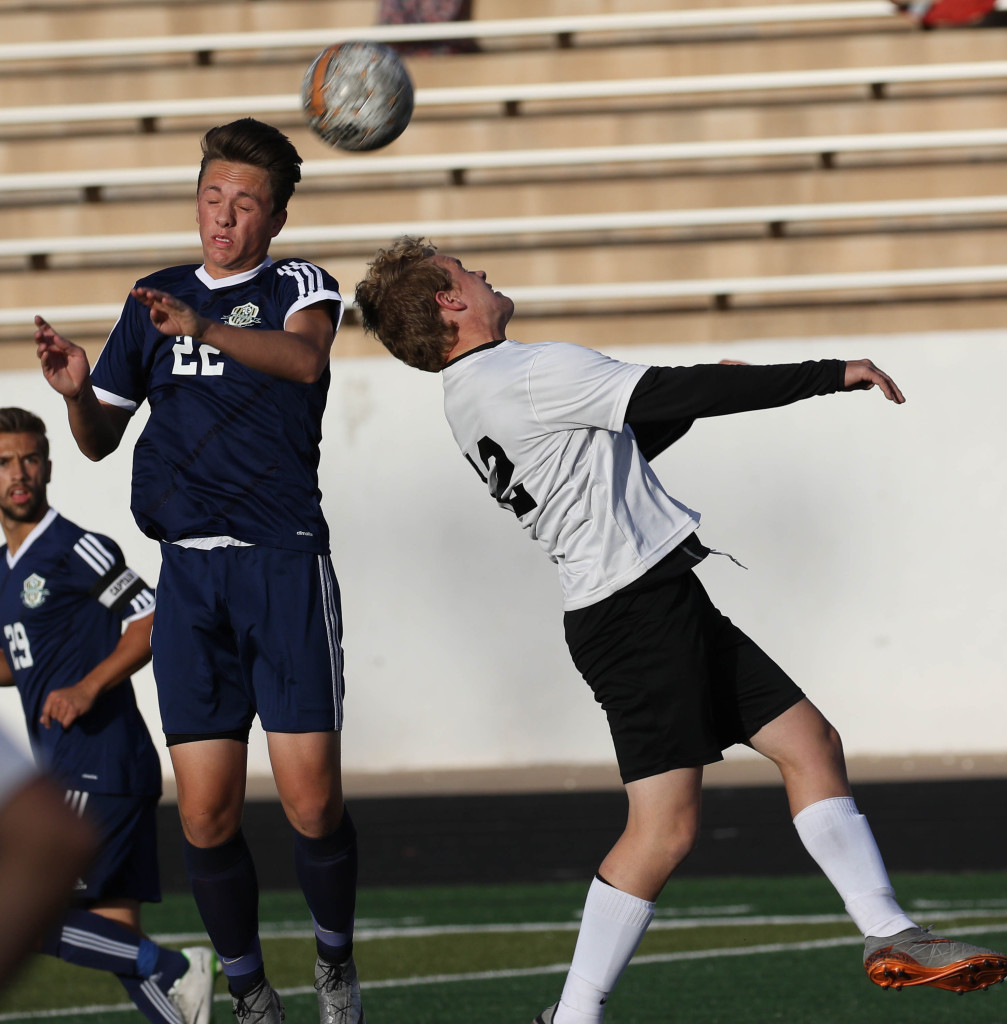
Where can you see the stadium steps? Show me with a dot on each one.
(525, 262)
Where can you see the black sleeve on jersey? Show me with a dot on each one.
(117, 588)
(668, 399)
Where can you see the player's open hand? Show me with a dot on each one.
(170, 315)
(64, 364)
(65, 706)
(862, 375)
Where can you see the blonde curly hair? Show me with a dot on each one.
(398, 306)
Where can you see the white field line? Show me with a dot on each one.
(291, 931)
(528, 972)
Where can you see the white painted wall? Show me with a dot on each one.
(875, 540)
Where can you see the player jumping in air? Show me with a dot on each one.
(232, 357)
(76, 622)
(562, 436)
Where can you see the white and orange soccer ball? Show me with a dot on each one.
(357, 95)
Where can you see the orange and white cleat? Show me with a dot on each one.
(915, 957)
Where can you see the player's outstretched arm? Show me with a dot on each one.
(299, 352)
(131, 653)
(96, 428)
(862, 375)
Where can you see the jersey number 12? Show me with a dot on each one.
(499, 471)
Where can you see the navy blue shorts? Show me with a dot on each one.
(126, 863)
(246, 631)
(678, 680)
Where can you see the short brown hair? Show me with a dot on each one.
(19, 421)
(248, 141)
(398, 306)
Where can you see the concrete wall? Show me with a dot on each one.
(874, 536)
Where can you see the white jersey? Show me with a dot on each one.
(543, 425)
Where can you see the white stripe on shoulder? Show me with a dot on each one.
(95, 553)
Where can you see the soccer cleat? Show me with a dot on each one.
(915, 957)
(192, 993)
(546, 1016)
(338, 990)
(260, 1006)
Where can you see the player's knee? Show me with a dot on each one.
(666, 848)
(206, 826)
(314, 814)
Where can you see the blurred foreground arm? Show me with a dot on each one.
(44, 848)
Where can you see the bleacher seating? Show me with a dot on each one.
(874, 83)
(564, 29)
(40, 253)
(784, 159)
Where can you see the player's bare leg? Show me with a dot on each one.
(210, 778)
(897, 953)
(809, 753)
(306, 768)
(660, 831)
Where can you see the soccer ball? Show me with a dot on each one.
(357, 96)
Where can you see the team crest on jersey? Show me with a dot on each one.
(34, 591)
(244, 316)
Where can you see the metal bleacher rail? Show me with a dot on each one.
(875, 81)
(718, 292)
(38, 252)
(203, 46)
(94, 183)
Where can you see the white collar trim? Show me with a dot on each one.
(40, 527)
(213, 283)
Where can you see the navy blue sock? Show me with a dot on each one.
(226, 891)
(90, 940)
(151, 999)
(327, 871)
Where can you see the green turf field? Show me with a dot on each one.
(721, 951)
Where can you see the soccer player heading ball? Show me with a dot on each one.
(233, 358)
(563, 437)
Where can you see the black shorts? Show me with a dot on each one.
(678, 680)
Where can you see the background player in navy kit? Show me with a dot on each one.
(233, 359)
(76, 623)
(562, 436)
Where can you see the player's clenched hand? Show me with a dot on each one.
(170, 315)
(64, 364)
(862, 375)
(65, 706)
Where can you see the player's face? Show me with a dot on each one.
(234, 211)
(471, 286)
(24, 474)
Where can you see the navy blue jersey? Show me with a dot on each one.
(227, 450)
(64, 597)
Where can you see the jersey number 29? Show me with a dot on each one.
(20, 649)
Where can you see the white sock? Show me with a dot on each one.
(613, 924)
(839, 838)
